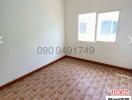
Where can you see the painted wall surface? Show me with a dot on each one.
(119, 53)
(26, 25)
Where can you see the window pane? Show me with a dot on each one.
(107, 26)
(86, 27)
(114, 26)
(83, 27)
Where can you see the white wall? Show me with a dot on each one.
(28, 24)
(120, 53)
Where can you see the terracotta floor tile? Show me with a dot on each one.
(69, 79)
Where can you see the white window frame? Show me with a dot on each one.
(96, 25)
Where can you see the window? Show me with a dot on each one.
(106, 30)
(107, 26)
(87, 23)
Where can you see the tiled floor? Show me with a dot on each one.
(69, 79)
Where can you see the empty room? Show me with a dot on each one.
(65, 50)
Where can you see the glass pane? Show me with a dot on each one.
(83, 27)
(114, 26)
(86, 24)
(107, 26)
